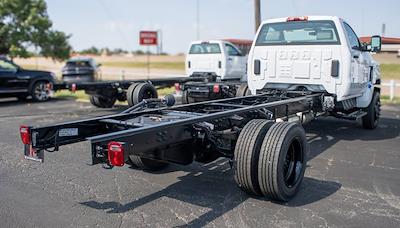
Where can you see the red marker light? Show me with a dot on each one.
(116, 154)
(73, 87)
(25, 134)
(177, 87)
(303, 18)
(216, 88)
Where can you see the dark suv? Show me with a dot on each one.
(21, 83)
(80, 70)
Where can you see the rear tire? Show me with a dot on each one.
(147, 164)
(371, 120)
(246, 155)
(140, 91)
(282, 161)
(102, 102)
(243, 91)
(186, 99)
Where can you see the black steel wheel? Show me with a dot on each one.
(103, 102)
(282, 161)
(371, 120)
(140, 91)
(40, 91)
(147, 164)
(246, 155)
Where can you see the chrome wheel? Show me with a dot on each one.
(41, 91)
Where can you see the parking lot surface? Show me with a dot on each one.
(352, 180)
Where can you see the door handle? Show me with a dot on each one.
(230, 59)
(356, 56)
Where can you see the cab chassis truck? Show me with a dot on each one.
(261, 134)
(267, 151)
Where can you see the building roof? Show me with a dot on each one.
(385, 40)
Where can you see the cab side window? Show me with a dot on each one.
(232, 51)
(6, 66)
(353, 39)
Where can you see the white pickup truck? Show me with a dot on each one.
(318, 54)
(217, 57)
(221, 64)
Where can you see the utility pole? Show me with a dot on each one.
(197, 20)
(257, 13)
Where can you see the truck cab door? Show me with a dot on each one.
(359, 62)
(10, 80)
(235, 63)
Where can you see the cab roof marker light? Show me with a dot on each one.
(303, 18)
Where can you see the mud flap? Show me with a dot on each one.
(33, 154)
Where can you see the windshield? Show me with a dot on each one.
(298, 33)
(205, 48)
(78, 64)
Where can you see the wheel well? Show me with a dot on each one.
(33, 82)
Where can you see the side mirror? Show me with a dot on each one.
(376, 43)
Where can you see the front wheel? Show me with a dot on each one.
(371, 120)
(40, 91)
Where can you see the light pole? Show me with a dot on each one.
(197, 20)
(257, 13)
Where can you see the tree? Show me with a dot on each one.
(25, 24)
(90, 51)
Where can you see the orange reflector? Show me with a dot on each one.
(116, 154)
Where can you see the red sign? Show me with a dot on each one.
(148, 38)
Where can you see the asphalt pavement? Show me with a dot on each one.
(352, 180)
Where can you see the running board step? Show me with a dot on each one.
(352, 116)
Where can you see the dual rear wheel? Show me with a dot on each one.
(269, 159)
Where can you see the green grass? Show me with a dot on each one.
(385, 100)
(390, 71)
(82, 96)
(153, 65)
(68, 94)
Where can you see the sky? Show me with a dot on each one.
(116, 23)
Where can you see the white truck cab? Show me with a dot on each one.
(217, 57)
(315, 53)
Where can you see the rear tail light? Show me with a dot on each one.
(116, 153)
(219, 64)
(304, 18)
(25, 135)
(177, 87)
(73, 87)
(216, 88)
(189, 65)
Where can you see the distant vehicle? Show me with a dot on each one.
(222, 64)
(217, 57)
(80, 70)
(21, 83)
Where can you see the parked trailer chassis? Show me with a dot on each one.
(104, 94)
(260, 134)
